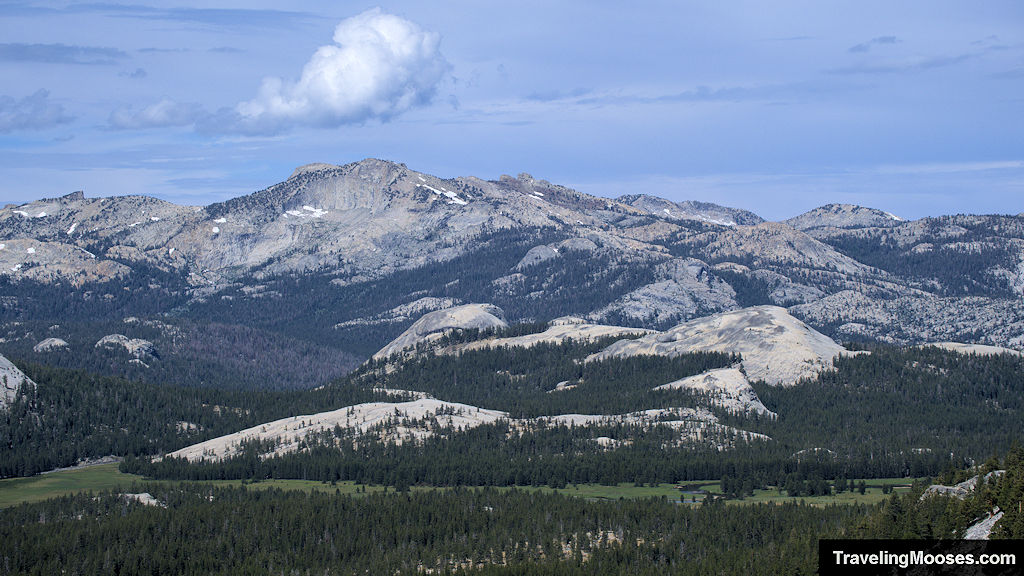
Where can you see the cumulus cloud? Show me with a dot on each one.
(379, 66)
(34, 112)
(162, 114)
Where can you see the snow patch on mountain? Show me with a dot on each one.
(451, 196)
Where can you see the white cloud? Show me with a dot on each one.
(379, 66)
(950, 167)
(34, 112)
(163, 113)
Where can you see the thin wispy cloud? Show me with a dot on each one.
(166, 113)
(24, 9)
(221, 17)
(696, 94)
(61, 54)
(154, 50)
(906, 65)
(879, 41)
(33, 112)
(950, 167)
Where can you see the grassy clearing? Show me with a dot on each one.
(603, 492)
(16, 490)
(872, 494)
(108, 477)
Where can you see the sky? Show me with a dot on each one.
(914, 107)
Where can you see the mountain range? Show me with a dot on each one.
(338, 260)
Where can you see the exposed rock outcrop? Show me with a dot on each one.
(536, 255)
(775, 346)
(686, 288)
(726, 387)
(414, 420)
(922, 317)
(431, 326)
(49, 345)
(691, 210)
(560, 330)
(383, 419)
(403, 312)
(137, 347)
(11, 379)
(982, 529)
(31, 259)
(961, 490)
(978, 349)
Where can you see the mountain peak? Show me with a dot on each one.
(310, 168)
(691, 210)
(844, 216)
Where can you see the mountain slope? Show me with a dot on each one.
(11, 380)
(775, 346)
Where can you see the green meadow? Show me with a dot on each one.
(107, 477)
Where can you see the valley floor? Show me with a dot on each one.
(101, 477)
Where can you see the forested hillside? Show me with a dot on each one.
(921, 513)
(893, 412)
(71, 415)
(198, 529)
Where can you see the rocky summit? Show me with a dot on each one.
(775, 346)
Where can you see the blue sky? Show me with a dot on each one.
(916, 108)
